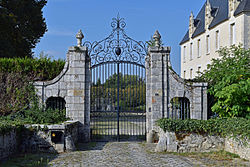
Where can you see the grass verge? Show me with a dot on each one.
(28, 160)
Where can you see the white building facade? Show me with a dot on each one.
(219, 23)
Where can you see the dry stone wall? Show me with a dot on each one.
(8, 144)
(193, 142)
(38, 138)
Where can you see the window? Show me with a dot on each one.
(199, 70)
(184, 54)
(191, 51)
(56, 103)
(232, 34)
(199, 48)
(217, 40)
(184, 74)
(207, 44)
(191, 73)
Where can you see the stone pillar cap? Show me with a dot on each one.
(157, 35)
(79, 37)
(157, 38)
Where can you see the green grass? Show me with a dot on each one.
(29, 160)
(216, 158)
(216, 155)
(86, 146)
(108, 127)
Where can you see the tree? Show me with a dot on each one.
(151, 42)
(132, 92)
(229, 81)
(21, 26)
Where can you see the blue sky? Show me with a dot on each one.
(65, 17)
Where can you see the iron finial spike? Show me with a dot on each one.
(118, 16)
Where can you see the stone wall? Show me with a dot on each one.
(193, 142)
(163, 84)
(8, 144)
(72, 84)
(38, 138)
(238, 147)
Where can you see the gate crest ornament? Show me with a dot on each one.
(117, 47)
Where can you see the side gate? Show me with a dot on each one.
(118, 88)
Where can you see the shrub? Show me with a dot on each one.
(35, 115)
(236, 127)
(43, 68)
(17, 75)
(229, 82)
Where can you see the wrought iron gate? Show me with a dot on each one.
(118, 90)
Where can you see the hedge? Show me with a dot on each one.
(231, 127)
(38, 69)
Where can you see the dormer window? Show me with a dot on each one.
(191, 25)
(232, 5)
(208, 14)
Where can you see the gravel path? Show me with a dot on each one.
(122, 154)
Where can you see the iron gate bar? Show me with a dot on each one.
(118, 101)
(118, 83)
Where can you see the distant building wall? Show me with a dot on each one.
(198, 51)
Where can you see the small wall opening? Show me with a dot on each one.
(180, 107)
(55, 103)
(57, 137)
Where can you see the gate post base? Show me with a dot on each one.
(152, 136)
(83, 133)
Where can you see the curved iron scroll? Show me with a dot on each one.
(117, 46)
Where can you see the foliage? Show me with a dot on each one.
(151, 42)
(131, 92)
(229, 80)
(16, 92)
(21, 26)
(236, 127)
(43, 68)
(29, 160)
(214, 158)
(7, 126)
(16, 77)
(35, 115)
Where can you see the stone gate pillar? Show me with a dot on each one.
(156, 84)
(78, 90)
(163, 86)
(73, 85)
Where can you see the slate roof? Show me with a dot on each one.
(244, 6)
(220, 14)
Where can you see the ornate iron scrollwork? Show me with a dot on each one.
(117, 47)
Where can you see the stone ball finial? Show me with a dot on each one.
(157, 38)
(79, 37)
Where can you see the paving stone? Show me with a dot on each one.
(121, 154)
